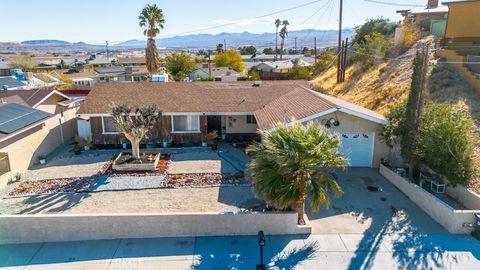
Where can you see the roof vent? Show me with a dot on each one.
(257, 83)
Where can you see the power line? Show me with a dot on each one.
(330, 5)
(239, 22)
(393, 4)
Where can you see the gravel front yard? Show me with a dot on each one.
(138, 201)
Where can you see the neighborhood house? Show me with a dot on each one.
(236, 111)
(32, 124)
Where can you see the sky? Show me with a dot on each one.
(95, 21)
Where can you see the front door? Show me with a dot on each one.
(214, 122)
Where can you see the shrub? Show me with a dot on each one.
(379, 25)
(375, 45)
(410, 32)
(445, 142)
(298, 72)
(253, 75)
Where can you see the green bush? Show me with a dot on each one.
(375, 45)
(298, 72)
(379, 25)
(445, 139)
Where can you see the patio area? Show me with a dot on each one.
(195, 180)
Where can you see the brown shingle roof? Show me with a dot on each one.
(272, 103)
(296, 104)
(187, 97)
(25, 97)
(301, 103)
(131, 60)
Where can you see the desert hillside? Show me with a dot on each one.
(379, 87)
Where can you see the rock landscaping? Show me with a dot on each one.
(204, 179)
(53, 186)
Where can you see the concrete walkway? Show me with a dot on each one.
(325, 251)
(236, 157)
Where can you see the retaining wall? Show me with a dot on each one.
(454, 221)
(61, 227)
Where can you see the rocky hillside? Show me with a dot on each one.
(379, 87)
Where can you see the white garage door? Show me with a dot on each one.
(358, 148)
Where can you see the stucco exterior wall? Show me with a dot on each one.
(354, 124)
(454, 221)
(238, 124)
(24, 148)
(463, 20)
(52, 228)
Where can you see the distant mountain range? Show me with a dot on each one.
(303, 38)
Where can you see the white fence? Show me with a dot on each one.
(454, 221)
(52, 228)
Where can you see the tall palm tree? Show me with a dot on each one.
(152, 19)
(294, 163)
(283, 35)
(277, 25)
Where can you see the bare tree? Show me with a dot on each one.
(134, 124)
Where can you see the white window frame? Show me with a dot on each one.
(192, 131)
(251, 123)
(107, 132)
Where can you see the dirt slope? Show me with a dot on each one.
(379, 87)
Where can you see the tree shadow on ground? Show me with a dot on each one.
(290, 259)
(52, 203)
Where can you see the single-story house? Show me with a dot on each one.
(33, 123)
(236, 111)
(87, 78)
(131, 61)
(218, 73)
(279, 66)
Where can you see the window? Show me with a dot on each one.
(4, 163)
(251, 119)
(186, 123)
(109, 126)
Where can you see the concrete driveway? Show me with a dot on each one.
(327, 251)
(361, 211)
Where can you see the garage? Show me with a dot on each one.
(358, 148)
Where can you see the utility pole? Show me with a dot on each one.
(106, 45)
(339, 40)
(340, 63)
(225, 45)
(295, 44)
(209, 63)
(315, 48)
(344, 64)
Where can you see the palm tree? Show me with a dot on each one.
(277, 25)
(152, 19)
(294, 163)
(283, 35)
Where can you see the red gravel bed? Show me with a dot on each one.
(204, 179)
(52, 186)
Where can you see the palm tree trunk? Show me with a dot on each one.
(151, 56)
(300, 207)
(276, 44)
(281, 48)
